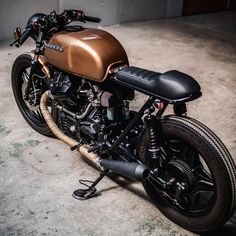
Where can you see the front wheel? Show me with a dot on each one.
(201, 191)
(29, 107)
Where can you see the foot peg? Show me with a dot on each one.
(77, 145)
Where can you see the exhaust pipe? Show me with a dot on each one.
(83, 150)
(129, 169)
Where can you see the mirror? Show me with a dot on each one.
(17, 33)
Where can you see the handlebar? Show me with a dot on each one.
(77, 15)
(25, 35)
(92, 19)
(46, 23)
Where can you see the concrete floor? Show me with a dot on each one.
(39, 174)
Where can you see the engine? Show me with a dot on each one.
(95, 112)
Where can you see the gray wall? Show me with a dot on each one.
(16, 12)
(106, 9)
(174, 8)
(120, 11)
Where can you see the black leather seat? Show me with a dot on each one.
(172, 86)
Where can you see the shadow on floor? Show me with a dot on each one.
(126, 183)
(228, 229)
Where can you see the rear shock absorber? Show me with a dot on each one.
(151, 123)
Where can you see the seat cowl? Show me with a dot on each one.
(171, 86)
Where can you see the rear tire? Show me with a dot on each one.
(20, 68)
(222, 169)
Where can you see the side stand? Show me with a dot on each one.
(90, 191)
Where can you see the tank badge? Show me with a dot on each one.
(54, 47)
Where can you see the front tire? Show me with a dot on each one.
(191, 147)
(19, 76)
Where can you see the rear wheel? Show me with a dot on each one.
(29, 107)
(200, 173)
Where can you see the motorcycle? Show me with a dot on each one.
(77, 85)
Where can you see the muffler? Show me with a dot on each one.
(129, 169)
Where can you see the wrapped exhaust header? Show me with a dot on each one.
(83, 149)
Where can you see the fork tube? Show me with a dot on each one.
(37, 52)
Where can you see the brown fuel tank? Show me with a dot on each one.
(89, 53)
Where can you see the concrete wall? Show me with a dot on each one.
(136, 10)
(120, 11)
(174, 8)
(16, 12)
(106, 9)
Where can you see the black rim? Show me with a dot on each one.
(32, 111)
(191, 188)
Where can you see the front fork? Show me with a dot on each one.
(35, 63)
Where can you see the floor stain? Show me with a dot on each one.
(156, 227)
(18, 147)
(4, 131)
(32, 143)
(150, 227)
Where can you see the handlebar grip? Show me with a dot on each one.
(92, 19)
(24, 36)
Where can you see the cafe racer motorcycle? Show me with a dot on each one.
(77, 85)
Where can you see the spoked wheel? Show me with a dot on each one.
(199, 172)
(29, 107)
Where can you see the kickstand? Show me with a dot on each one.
(90, 191)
